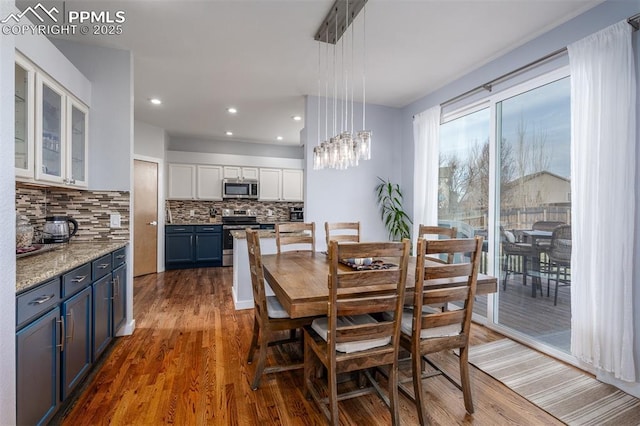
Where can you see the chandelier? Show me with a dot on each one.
(346, 147)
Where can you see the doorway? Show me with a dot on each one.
(145, 217)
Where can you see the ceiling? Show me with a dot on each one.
(201, 57)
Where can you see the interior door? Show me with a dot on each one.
(145, 217)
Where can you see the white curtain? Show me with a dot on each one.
(603, 114)
(426, 138)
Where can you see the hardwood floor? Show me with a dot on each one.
(185, 364)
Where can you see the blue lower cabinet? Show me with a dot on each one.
(76, 353)
(37, 369)
(119, 291)
(193, 246)
(102, 306)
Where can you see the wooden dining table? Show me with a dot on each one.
(300, 281)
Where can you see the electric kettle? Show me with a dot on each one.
(56, 229)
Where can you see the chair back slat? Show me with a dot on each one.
(447, 271)
(438, 232)
(442, 319)
(355, 333)
(444, 295)
(357, 292)
(290, 233)
(342, 232)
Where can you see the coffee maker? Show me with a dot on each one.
(296, 214)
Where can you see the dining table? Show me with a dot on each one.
(299, 279)
(539, 244)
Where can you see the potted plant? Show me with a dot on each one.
(396, 220)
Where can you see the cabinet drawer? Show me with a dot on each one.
(119, 257)
(209, 228)
(101, 267)
(176, 229)
(37, 301)
(76, 280)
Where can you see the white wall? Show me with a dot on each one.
(111, 116)
(148, 140)
(347, 195)
(232, 160)
(599, 17)
(7, 229)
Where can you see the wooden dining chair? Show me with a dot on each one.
(269, 317)
(289, 233)
(342, 232)
(426, 330)
(349, 338)
(437, 232)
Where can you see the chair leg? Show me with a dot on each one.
(309, 362)
(417, 362)
(333, 396)
(555, 299)
(505, 269)
(393, 394)
(465, 380)
(254, 340)
(262, 359)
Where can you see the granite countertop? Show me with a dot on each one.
(35, 269)
(200, 222)
(262, 233)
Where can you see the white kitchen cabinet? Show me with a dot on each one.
(270, 184)
(281, 185)
(182, 182)
(292, 185)
(237, 172)
(24, 117)
(209, 182)
(61, 135)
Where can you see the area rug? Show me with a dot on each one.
(562, 391)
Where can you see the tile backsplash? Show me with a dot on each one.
(92, 210)
(203, 211)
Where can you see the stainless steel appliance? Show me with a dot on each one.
(296, 214)
(234, 220)
(240, 188)
(56, 229)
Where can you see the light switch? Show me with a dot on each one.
(114, 221)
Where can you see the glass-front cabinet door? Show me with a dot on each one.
(77, 131)
(24, 110)
(50, 130)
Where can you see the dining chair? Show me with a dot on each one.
(426, 330)
(342, 232)
(289, 233)
(560, 257)
(269, 317)
(439, 232)
(349, 338)
(515, 257)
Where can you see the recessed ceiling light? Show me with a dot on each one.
(155, 101)
(296, 118)
(228, 133)
(279, 138)
(232, 110)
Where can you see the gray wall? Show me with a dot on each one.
(149, 140)
(181, 143)
(111, 115)
(7, 228)
(591, 21)
(346, 195)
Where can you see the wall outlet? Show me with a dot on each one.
(114, 220)
(192, 212)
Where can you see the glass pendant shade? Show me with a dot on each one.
(365, 144)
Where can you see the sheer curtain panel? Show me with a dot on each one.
(603, 102)
(426, 139)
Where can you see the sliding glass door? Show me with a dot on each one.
(505, 173)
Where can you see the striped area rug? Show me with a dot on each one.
(562, 391)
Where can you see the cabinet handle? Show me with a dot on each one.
(103, 266)
(73, 325)
(62, 335)
(120, 256)
(115, 287)
(179, 229)
(40, 300)
(79, 279)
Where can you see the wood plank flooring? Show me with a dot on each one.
(185, 364)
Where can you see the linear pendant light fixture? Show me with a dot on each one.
(346, 147)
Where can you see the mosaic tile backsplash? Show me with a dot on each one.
(211, 211)
(92, 210)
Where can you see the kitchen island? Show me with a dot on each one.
(242, 291)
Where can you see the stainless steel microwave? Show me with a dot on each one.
(240, 188)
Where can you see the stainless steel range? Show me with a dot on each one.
(234, 220)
